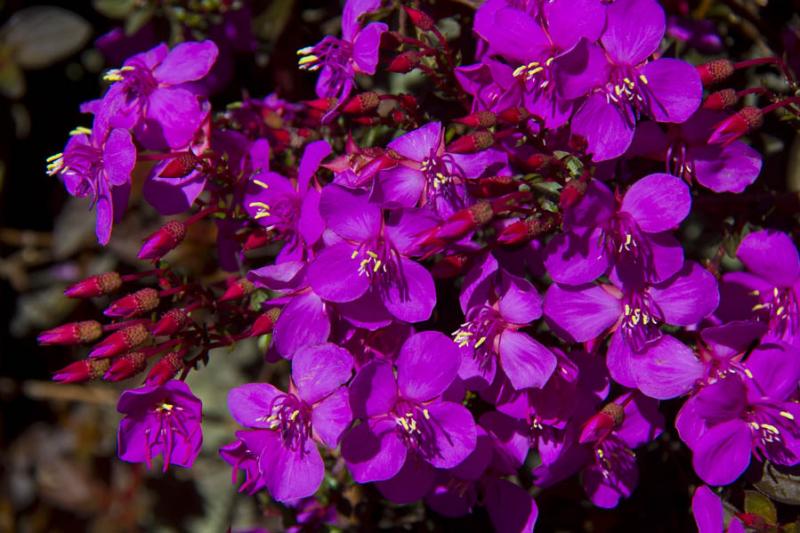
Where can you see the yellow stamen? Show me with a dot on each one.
(787, 415)
(80, 130)
(261, 184)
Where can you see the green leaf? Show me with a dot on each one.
(137, 19)
(114, 9)
(758, 504)
(41, 35)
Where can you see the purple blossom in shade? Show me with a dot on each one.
(686, 153)
(151, 96)
(709, 515)
(699, 34)
(491, 84)
(406, 419)
(639, 355)
(97, 164)
(339, 60)
(631, 235)
(367, 259)
(312, 515)
(744, 414)
(428, 175)
(770, 291)
(291, 209)
(667, 90)
(305, 320)
(242, 454)
(160, 420)
(490, 336)
(289, 423)
(609, 463)
(556, 64)
(721, 348)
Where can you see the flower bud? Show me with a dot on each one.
(474, 142)
(166, 368)
(180, 166)
(601, 424)
(572, 193)
(323, 104)
(514, 115)
(480, 119)
(126, 366)
(491, 186)
(139, 302)
(405, 62)
(419, 19)
(721, 100)
(265, 323)
(238, 289)
(163, 240)
(121, 341)
(362, 103)
(715, 71)
(525, 230)
(95, 286)
(80, 371)
(72, 333)
(170, 322)
(449, 266)
(256, 240)
(457, 226)
(736, 126)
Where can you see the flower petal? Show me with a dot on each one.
(526, 362)
(723, 452)
(658, 202)
(630, 42)
(411, 294)
(331, 417)
(688, 297)
(666, 369)
(303, 322)
(581, 313)
(373, 451)
(188, 61)
(606, 128)
(319, 370)
(334, 274)
(771, 255)
(373, 392)
(674, 90)
(454, 434)
(427, 364)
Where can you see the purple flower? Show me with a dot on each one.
(150, 93)
(490, 335)
(405, 419)
(367, 258)
(491, 84)
(667, 90)
(97, 164)
(745, 413)
(770, 292)
(556, 65)
(631, 235)
(160, 420)
(338, 60)
(242, 454)
(708, 513)
(609, 463)
(428, 175)
(290, 209)
(687, 154)
(289, 422)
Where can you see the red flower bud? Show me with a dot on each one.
(572, 193)
(721, 100)
(525, 230)
(121, 341)
(474, 142)
(237, 289)
(449, 266)
(514, 115)
(419, 19)
(170, 322)
(362, 103)
(139, 302)
(166, 368)
(80, 371)
(601, 424)
(126, 366)
(95, 286)
(459, 225)
(322, 104)
(256, 240)
(491, 186)
(405, 62)
(735, 126)
(265, 323)
(163, 240)
(481, 119)
(72, 333)
(715, 71)
(180, 166)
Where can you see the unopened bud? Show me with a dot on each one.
(491, 186)
(72, 333)
(525, 230)
(736, 126)
(715, 71)
(474, 142)
(237, 289)
(405, 62)
(121, 341)
(95, 286)
(449, 266)
(572, 193)
(139, 302)
(601, 424)
(323, 104)
(514, 115)
(164, 240)
(265, 323)
(180, 166)
(126, 366)
(480, 119)
(721, 100)
(362, 103)
(171, 322)
(80, 371)
(419, 19)
(166, 368)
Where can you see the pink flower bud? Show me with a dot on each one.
(134, 304)
(121, 341)
(80, 371)
(95, 286)
(126, 366)
(166, 368)
(715, 71)
(601, 424)
(736, 126)
(237, 289)
(72, 333)
(474, 142)
(164, 240)
(170, 322)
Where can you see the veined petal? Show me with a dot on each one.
(658, 202)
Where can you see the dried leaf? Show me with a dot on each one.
(39, 36)
(758, 504)
(780, 485)
(114, 9)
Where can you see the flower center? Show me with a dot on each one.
(535, 74)
(640, 319)
(413, 422)
(780, 309)
(329, 52)
(291, 417)
(482, 326)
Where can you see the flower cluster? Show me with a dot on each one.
(455, 296)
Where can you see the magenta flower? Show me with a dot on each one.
(428, 175)
(369, 260)
(639, 355)
(150, 94)
(160, 420)
(685, 150)
(338, 60)
(405, 418)
(242, 455)
(289, 423)
(745, 414)
(495, 311)
(709, 514)
(667, 90)
(98, 164)
(631, 235)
